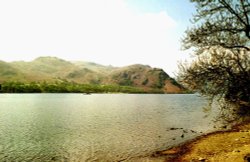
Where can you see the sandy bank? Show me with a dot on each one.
(223, 146)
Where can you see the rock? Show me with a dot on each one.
(171, 151)
(185, 131)
(193, 131)
(202, 159)
(54, 158)
(224, 127)
(236, 151)
(247, 158)
(175, 128)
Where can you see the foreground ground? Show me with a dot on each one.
(222, 146)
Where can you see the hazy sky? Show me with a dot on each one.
(109, 32)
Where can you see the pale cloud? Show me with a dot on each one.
(103, 31)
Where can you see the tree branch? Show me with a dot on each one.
(247, 31)
(244, 11)
(231, 10)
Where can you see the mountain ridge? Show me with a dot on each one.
(52, 69)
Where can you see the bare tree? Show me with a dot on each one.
(219, 72)
(221, 42)
(222, 23)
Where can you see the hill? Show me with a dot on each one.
(52, 69)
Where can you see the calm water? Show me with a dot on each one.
(98, 127)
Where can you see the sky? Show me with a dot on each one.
(109, 32)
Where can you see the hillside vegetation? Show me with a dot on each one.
(53, 70)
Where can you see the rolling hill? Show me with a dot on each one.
(51, 69)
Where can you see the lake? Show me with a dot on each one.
(97, 127)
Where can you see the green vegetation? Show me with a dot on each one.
(162, 77)
(129, 79)
(125, 82)
(145, 82)
(221, 39)
(68, 87)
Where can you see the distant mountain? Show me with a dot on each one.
(51, 69)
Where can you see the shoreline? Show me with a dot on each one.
(222, 145)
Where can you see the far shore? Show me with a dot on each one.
(220, 146)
